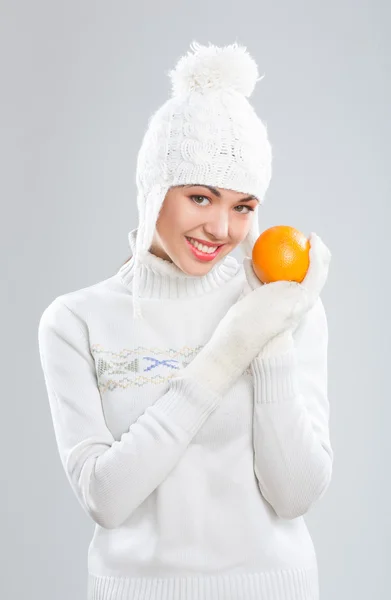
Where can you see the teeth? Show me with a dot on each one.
(202, 247)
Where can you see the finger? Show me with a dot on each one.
(317, 273)
(319, 246)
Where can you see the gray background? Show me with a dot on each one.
(79, 80)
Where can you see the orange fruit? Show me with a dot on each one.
(281, 253)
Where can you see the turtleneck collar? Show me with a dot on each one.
(160, 278)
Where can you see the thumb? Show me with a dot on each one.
(252, 279)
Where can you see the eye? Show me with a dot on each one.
(250, 209)
(204, 197)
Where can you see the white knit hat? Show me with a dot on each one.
(206, 133)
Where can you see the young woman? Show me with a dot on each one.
(189, 401)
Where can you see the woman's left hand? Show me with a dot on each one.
(315, 278)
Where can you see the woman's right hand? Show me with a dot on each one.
(262, 314)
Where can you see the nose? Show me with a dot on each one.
(218, 225)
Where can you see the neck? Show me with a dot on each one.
(161, 278)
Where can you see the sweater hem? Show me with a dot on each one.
(288, 584)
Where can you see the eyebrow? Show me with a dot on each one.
(217, 192)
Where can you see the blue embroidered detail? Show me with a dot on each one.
(158, 362)
(122, 369)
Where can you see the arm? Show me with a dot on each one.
(292, 451)
(111, 478)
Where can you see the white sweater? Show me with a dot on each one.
(194, 496)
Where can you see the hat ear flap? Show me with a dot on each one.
(149, 209)
(248, 243)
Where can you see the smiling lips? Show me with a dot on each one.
(204, 242)
(205, 251)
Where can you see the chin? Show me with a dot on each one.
(195, 269)
(192, 267)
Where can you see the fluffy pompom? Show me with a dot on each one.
(212, 67)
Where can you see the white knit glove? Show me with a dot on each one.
(267, 311)
(280, 343)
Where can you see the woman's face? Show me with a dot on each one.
(215, 215)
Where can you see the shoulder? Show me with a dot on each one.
(77, 304)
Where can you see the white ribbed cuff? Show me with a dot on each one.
(275, 377)
(188, 403)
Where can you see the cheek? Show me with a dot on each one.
(172, 225)
(241, 228)
(181, 217)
